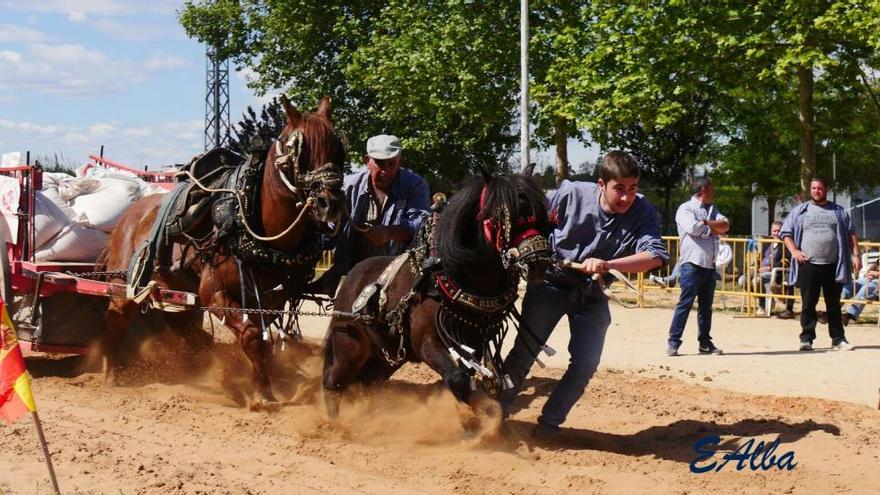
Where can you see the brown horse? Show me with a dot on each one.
(299, 192)
(448, 304)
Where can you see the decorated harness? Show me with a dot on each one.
(461, 314)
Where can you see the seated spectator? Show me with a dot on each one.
(866, 289)
(773, 256)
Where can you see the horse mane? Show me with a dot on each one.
(460, 241)
(317, 131)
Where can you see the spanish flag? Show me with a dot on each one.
(16, 398)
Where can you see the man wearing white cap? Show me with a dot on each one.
(386, 204)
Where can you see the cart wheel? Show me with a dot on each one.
(5, 273)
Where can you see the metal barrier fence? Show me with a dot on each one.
(739, 277)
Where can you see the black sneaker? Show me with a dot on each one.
(672, 350)
(806, 346)
(710, 349)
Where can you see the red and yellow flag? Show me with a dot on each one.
(16, 398)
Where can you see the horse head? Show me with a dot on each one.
(308, 157)
(513, 212)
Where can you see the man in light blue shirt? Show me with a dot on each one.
(699, 227)
(603, 226)
(386, 205)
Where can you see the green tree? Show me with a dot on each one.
(802, 40)
(648, 82)
(253, 133)
(427, 71)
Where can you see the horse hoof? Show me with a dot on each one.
(267, 406)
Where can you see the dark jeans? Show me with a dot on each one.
(812, 279)
(542, 308)
(696, 282)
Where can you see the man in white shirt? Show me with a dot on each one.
(700, 225)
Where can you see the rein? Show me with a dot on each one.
(597, 279)
(327, 176)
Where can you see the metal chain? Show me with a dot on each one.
(265, 311)
(94, 275)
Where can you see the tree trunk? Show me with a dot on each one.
(805, 106)
(561, 141)
(667, 206)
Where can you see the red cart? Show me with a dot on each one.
(60, 306)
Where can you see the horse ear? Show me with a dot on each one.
(324, 107)
(293, 116)
(529, 170)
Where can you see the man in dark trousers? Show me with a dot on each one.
(700, 225)
(824, 249)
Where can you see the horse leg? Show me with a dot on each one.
(347, 349)
(437, 357)
(120, 315)
(250, 339)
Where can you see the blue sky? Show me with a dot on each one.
(76, 74)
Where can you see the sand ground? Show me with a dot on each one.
(172, 430)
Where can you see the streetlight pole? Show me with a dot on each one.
(524, 83)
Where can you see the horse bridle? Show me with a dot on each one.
(527, 247)
(327, 176)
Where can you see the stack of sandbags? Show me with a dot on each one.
(75, 215)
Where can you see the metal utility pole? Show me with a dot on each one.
(524, 83)
(216, 101)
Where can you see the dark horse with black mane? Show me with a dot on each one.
(257, 249)
(445, 302)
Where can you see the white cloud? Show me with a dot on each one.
(155, 145)
(94, 7)
(159, 62)
(10, 56)
(10, 33)
(73, 70)
(127, 31)
(76, 16)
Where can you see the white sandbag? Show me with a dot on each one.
(54, 179)
(74, 243)
(70, 189)
(52, 195)
(11, 159)
(10, 196)
(103, 208)
(49, 218)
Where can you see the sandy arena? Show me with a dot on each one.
(172, 430)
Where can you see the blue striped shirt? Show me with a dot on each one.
(698, 245)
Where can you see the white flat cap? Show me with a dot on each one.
(383, 147)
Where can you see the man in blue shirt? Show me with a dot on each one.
(386, 205)
(603, 226)
(699, 227)
(824, 249)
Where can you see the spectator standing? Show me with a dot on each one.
(824, 248)
(700, 225)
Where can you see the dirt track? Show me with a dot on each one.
(633, 432)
